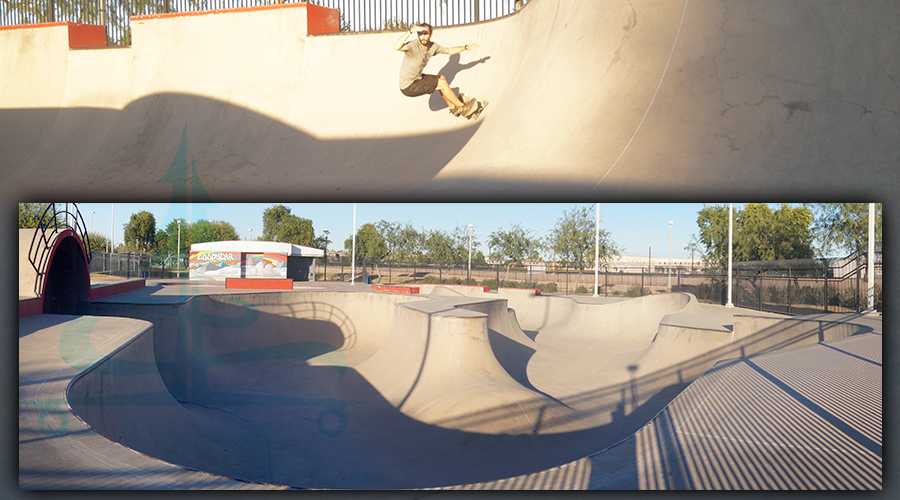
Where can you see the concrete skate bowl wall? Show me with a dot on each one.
(368, 390)
(643, 96)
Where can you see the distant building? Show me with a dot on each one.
(637, 263)
(218, 260)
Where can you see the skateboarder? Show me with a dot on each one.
(417, 54)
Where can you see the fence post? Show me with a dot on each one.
(789, 290)
(759, 294)
(826, 288)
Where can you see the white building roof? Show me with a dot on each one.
(258, 246)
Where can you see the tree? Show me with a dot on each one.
(169, 238)
(98, 242)
(30, 214)
(573, 240)
(390, 235)
(844, 226)
(513, 246)
(439, 246)
(224, 231)
(713, 223)
(140, 232)
(411, 243)
(370, 247)
(760, 233)
(202, 232)
(693, 246)
(280, 225)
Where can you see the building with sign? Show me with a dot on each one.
(218, 260)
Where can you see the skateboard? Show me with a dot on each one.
(480, 107)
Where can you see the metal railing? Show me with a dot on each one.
(796, 287)
(355, 15)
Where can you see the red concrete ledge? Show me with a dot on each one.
(104, 291)
(259, 283)
(319, 20)
(31, 307)
(35, 306)
(409, 290)
(80, 35)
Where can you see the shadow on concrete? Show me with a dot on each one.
(450, 70)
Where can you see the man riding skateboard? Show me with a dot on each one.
(417, 53)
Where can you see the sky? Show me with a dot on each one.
(637, 228)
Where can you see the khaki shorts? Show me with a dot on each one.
(425, 85)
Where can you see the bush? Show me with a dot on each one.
(637, 291)
(582, 289)
(543, 287)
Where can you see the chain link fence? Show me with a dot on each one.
(355, 15)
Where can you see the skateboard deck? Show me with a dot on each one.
(479, 108)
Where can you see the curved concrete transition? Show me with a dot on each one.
(339, 389)
(588, 100)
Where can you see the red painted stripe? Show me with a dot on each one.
(408, 290)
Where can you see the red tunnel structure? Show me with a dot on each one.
(54, 266)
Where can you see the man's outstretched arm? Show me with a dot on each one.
(462, 48)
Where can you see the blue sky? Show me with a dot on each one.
(638, 227)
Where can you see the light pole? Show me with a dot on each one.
(471, 226)
(870, 264)
(671, 223)
(597, 254)
(178, 250)
(730, 243)
(250, 234)
(326, 253)
(353, 261)
(91, 227)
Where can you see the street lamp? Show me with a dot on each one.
(469, 275)
(730, 250)
(250, 234)
(671, 223)
(326, 253)
(178, 250)
(91, 227)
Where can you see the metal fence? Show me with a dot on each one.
(785, 287)
(356, 15)
(125, 265)
(795, 287)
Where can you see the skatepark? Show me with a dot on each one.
(177, 385)
(174, 384)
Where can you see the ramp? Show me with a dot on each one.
(588, 99)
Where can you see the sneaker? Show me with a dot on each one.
(469, 107)
(454, 110)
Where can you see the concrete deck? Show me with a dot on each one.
(489, 392)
